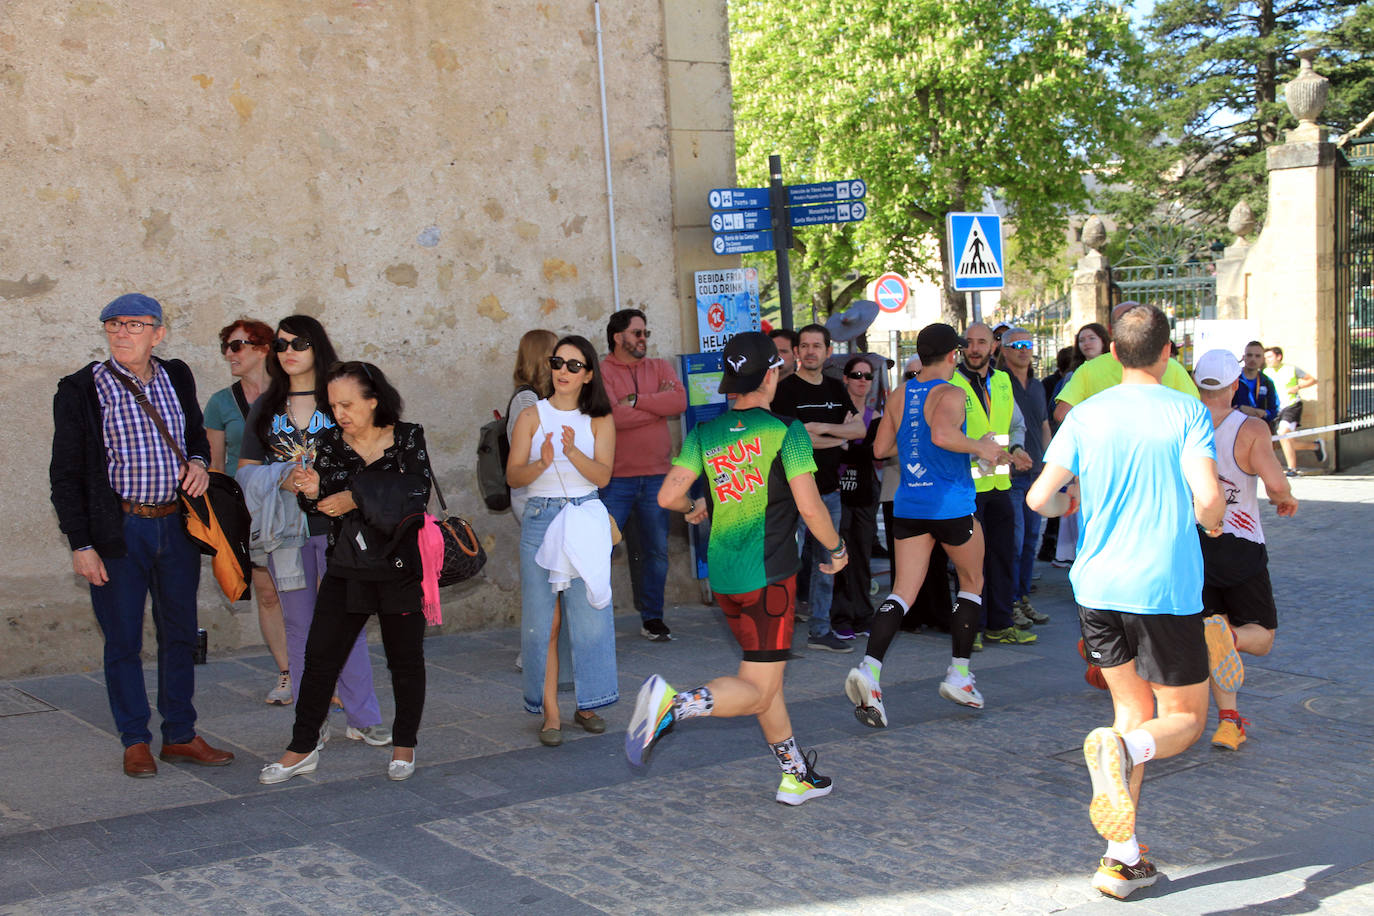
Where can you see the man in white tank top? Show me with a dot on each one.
(1236, 565)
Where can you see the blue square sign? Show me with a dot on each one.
(975, 250)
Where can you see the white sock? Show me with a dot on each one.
(1141, 744)
(895, 599)
(872, 666)
(970, 596)
(1127, 853)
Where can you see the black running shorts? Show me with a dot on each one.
(949, 531)
(762, 620)
(1292, 415)
(1248, 601)
(1167, 649)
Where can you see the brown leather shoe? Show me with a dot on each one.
(138, 761)
(195, 751)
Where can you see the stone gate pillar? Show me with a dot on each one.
(1090, 295)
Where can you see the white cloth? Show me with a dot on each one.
(561, 478)
(1242, 502)
(577, 544)
(279, 527)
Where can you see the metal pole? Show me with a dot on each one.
(782, 237)
(606, 144)
(976, 305)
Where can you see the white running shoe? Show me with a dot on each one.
(951, 688)
(867, 698)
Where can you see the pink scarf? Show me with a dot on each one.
(431, 542)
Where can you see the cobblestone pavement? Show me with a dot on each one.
(947, 810)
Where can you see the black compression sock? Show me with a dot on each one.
(887, 620)
(964, 625)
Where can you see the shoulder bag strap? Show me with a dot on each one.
(141, 396)
(240, 398)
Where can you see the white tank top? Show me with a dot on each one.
(1242, 502)
(561, 478)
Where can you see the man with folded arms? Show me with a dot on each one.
(114, 485)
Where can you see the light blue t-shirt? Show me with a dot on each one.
(1137, 541)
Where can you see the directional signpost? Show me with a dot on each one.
(975, 252)
(759, 219)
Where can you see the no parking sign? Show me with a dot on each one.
(891, 292)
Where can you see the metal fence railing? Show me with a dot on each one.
(1185, 292)
(1354, 387)
(1051, 328)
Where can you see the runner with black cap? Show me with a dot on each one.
(759, 471)
(924, 426)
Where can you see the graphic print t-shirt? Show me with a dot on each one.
(827, 402)
(748, 457)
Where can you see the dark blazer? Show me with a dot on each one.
(88, 510)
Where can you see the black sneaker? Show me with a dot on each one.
(1116, 879)
(656, 631)
(830, 643)
(794, 791)
(1320, 451)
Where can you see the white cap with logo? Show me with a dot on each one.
(1216, 369)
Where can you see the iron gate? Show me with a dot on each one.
(1185, 292)
(1354, 388)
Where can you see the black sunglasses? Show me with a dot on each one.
(235, 345)
(908, 376)
(300, 344)
(574, 365)
(865, 376)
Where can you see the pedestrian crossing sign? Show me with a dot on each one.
(975, 250)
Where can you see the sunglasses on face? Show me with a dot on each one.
(860, 376)
(1021, 345)
(300, 344)
(640, 333)
(574, 365)
(235, 345)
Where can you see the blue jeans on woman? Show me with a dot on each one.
(590, 630)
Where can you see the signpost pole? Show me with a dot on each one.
(976, 306)
(782, 237)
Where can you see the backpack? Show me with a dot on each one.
(493, 448)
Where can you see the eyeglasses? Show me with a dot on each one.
(640, 332)
(860, 376)
(1021, 345)
(133, 326)
(235, 345)
(574, 365)
(299, 344)
(908, 376)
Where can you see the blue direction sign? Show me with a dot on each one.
(742, 242)
(838, 212)
(826, 191)
(975, 250)
(738, 198)
(741, 220)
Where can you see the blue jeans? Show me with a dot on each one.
(641, 494)
(591, 631)
(163, 561)
(822, 587)
(1027, 526)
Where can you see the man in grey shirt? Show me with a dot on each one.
(1017, 351)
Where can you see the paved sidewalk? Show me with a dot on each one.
(947, 811)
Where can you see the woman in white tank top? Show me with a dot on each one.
(561, 452)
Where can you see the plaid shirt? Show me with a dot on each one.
(142, 467)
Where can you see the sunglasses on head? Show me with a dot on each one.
(1021, 345)
(235, 345)
(864, 376)
(574, 365)
(300, 344)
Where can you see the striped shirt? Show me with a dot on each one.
(142, 467)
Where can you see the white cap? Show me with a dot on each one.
(1216, 369)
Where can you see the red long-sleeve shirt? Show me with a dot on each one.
(643, 444)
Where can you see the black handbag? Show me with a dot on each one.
(464, 556)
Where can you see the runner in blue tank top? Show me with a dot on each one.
(924, 426)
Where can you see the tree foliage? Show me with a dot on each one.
(939, 106)
(1348, 61)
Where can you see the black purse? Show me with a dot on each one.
(464, 556)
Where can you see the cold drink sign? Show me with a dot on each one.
(727, 303)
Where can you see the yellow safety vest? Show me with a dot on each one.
(977, 423)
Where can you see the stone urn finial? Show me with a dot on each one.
(1094, 233)
(1306, 97)
(1242, 220)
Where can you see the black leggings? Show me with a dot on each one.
(332, 634)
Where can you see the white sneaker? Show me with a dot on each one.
(280, 695)
(375, 735)
(965, 694)
(867, 698)
(400, 769)
(274, 773)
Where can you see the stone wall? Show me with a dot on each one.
(425, 176)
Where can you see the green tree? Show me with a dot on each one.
(939, 106)
(1348, 62)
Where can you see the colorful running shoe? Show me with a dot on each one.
(1228, 671)
(963, 694)
(867, 698)
(794, 790)
(1116, 879)
(1011, 636)
(652, 719)
(1230, 734)
(1093, 675)
(1109, 764)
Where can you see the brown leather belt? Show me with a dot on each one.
(149, 510)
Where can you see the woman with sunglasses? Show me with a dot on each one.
(245, 345)
(562, 452)
(282, 433)
(851, 611)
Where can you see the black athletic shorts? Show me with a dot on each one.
(762, 620)
(1248, 601)
(1167, 649)
(1291, 414)
(949, 531)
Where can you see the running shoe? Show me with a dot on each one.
(1228, 671)
(1111, 810)
(867, 698)
(1319, 451)
(652, 719)
(1291, 472)
(963, 694)
(1230, 734)
(1119, 880)
(1019, 618)
(375, 735)
(656, 631)
(1010, 636)
(829, 642)
(794, 790)
(1036, 617)
(1061, 564)
(280, 695)
(978, 642)
(843, 632)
